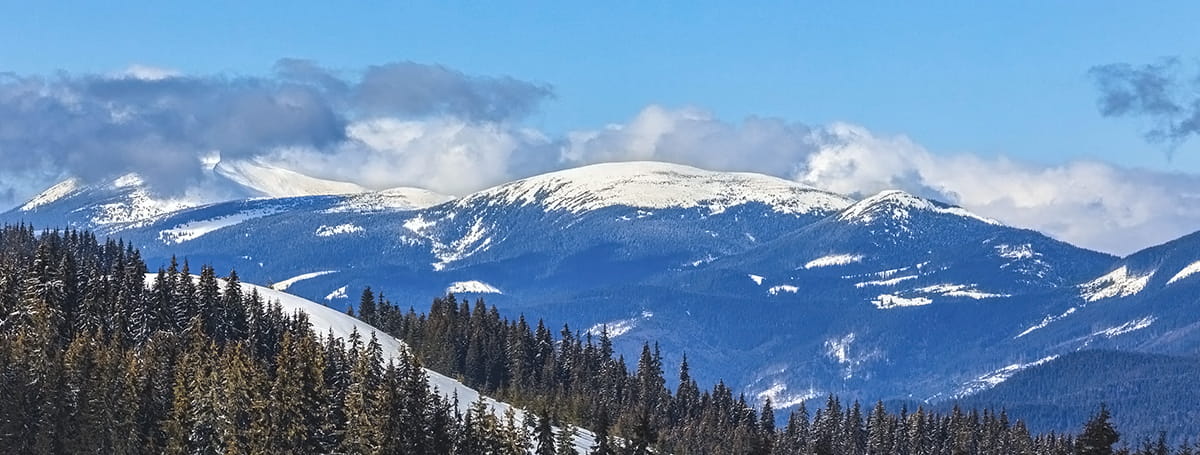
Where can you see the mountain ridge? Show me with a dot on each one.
(775, 287)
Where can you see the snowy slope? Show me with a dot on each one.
(325, 319)
(393, 199)
(128, 200)
(58, 191)
(657, 185)
(271, 181)
(122, 200)
(900, 206)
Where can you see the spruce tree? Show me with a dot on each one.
(1099, 435)
(565, 441)
(543, 435)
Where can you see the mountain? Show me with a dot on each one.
(271, 181)
(128, 201)
(1144, 302)
(781, 290)
(1147, 393)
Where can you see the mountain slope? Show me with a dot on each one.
(115, 205)
(271, 181)
(781, 290)
(1146, 392)
(326, 320)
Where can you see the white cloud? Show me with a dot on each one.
(445, 155)
(693, 136)
(148, 73)
(1087, 203)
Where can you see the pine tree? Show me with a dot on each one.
(879, 427)
(366, 306)
(1098, 435)
(543, 435)
(766, 429)
(363, 435)
(565, 442)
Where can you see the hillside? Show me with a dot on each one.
(1147, 393)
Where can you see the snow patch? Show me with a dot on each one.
(1127, 327)
(471, 287)
(1118, 283)
(780, 399)
(995, 377)
(839, 348)
(618, 327)
(283, 285)
(391, 200)
(776, 290)
(758, 279)
(339, 293)
(958, 290)
(888, 282)
(330, 231)
(195, 229)
(418, 225)
(832, 260)
(888, 301)
(842, 351)
(1190, 270)
(704, 260)
(1046, 321)
(473, 242)
(1024, 251)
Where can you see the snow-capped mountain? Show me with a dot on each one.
(271, 181)
(127, 201)
(654, 185)
(1145, 302)
(122, 200)
(784, 290)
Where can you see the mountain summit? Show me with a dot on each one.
(657, 185)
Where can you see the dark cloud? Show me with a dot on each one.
(409, 89)
(1158, 92)
(97, 126)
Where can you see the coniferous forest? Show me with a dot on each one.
(93, 359)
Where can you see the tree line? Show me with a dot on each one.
(577, 377)
(95, 358)
(92, 360)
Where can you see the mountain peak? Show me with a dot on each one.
(58, 191)
(129, 198)
(275, 181)
(658, 185)
(899, 205)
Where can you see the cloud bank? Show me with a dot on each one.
(411, 124)
(161, 124)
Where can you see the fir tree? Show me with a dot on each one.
(1099, 435)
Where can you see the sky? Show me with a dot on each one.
(1067, 117)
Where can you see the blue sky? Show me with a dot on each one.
(981, 77)
(989, 105)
